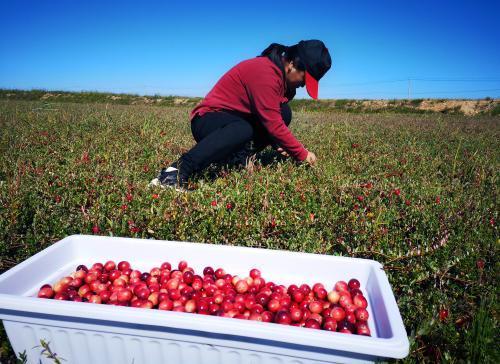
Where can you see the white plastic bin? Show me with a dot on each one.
(91, 333)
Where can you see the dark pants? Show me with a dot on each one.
(222, 134)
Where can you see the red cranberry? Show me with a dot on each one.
(255, 273)
(361, 314)
(82, 267)
(360, 301)
(305, 288)
(296, 314)
(354, 283)
(123, 266)
(182, 265)
(165, 305)
(267, 316)
(166, 266)
(283, 317)
(362, 329)
(262, 299)
(109, 266)
(341, 286)
(312, 324)
(443, 314)
(338, 313)
(329, 324)
(321, 293)
(46, 292)
(208, 271)
(188, 277)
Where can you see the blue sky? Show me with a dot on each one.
(450, 49)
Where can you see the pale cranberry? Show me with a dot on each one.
(315, 307)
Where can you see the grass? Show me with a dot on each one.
(416, 192)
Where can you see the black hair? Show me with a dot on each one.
(276, 51)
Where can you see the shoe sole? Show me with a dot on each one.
(155, 182)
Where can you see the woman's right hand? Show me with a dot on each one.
(311, 158)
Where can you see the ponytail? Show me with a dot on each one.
(276, 51)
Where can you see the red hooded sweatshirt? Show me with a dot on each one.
(255, 86)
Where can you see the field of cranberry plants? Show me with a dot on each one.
(416, 192)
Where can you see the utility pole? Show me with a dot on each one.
(409, 89)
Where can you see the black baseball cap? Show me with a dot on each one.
(317, 60)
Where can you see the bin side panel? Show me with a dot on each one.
(90, 346)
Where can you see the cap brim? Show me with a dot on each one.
(311, 86)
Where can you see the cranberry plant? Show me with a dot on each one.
(416, 192)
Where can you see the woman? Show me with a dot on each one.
(250, 104)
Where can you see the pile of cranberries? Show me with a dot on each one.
(217, 293)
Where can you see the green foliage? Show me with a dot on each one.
(482, 337)
(418, 193)
(496, 110)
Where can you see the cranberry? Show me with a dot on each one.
(338, 313)
(321, 293)
(298, 295)
(305, 289)
(360, 301)
(312, 324)
(188, 277)
(182, 265)
(333, 296)
(165, 305)
(361, 314)
(362, 329)
(255, 273)
(283, 317)
(296, 314)
(82, 267)
(354, 283)
(443, 314)
(329, 324)
(341, 286)
(46, 292)
(241, 286)
(480, 264)
(123, 266)
(273, 305)
(315, 307)
(262, 299)
(208, 271)
(220, 273)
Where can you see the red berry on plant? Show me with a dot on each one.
(443, 314)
